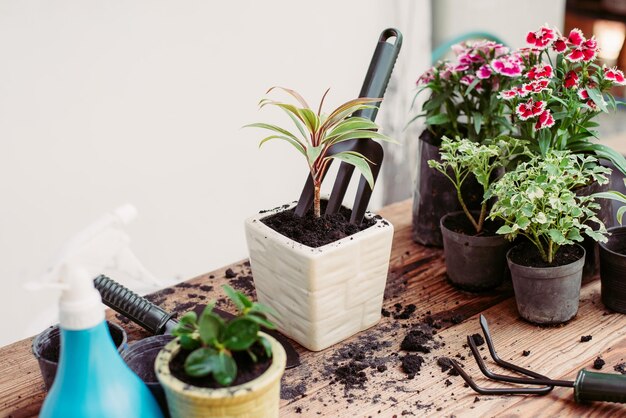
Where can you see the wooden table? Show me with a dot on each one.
(416, 276)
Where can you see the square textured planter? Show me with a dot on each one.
(322, 295)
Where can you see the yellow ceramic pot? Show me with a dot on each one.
(258, 398)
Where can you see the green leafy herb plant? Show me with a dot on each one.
(316, 132)
(537, 200)
(461, 158)
(214, 340)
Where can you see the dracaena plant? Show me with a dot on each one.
(561, 91)
(317, 132)
(618, 197)
(214, 340)
(536, 200)
(461, 158)
(462, 101)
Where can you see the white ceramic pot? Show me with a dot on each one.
(322, 295)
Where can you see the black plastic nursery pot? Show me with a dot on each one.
(605, 214)
(474, 263)
(613, 270)
(434, 194)
(47, 349)
(140, 357)
(547, 295)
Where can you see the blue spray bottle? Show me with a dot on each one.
(92, 380)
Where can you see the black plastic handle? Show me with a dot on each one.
(605, 387)
(136, 308)
(380, 69)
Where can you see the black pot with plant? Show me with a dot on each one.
(475, 254)
(536, 201)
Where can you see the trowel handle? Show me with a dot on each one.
(136, 308)
(380, 69)
(607, 387)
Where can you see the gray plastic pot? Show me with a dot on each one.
(140, 357)
(613, 270)
(473, 263)
(51, 338)
(547, 295)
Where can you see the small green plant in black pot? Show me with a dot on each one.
(537, 201)
(475, 254)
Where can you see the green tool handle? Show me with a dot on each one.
(593, 386)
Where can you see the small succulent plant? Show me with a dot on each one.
(213, 340)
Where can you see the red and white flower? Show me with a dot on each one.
(545, 120)
(530, 109)
(542, 38)
(571, 79)
(535, 86)
(508, 94)
(484, 72)
(576, 37)
(427, 77)
(614, 75)
(590, 49)
(560, 45)
(467, 79)
(509, 66)
(539, 71)
(583, 94)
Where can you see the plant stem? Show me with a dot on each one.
(481, 218)
(466, 210)
(550, 255)
(316, 201)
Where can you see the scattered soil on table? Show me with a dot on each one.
(526, 353)
(462, 225)
(585, 338)
(419, 339)
(246, 369)
(620, 368)
(478, 340)
(229, 274)
(158, 298)
(526, 254)
(316, 232)
(412, 364)
(598, 363)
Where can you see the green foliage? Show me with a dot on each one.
(462, 157)
(617, 196)
(316, 132)
(537, 200)
(213, 340)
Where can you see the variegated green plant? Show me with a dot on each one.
(537, 200)
(317, 132)
(461, 158)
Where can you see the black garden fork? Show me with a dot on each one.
(375, 84)
(588, 386)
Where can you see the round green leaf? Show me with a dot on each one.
(201, 362)
(188, 342)
(211, 327)
(240, 334)
(224, 368)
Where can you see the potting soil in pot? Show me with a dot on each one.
(462, 225)
(316, 232)
(246, 369)
(527, 255)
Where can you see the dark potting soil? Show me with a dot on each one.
(598, 363)
(585, 338)
(462, 225)
(478, 340)
(52, 350)
(620, 368)
(316, 232)
(526, 353)
(527, 255)
(412, 364)
(247, 370)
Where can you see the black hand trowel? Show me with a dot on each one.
(154, 319)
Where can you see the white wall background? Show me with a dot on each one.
(106, 102)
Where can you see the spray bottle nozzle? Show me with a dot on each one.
(84, 257)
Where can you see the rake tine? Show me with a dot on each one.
(493, 391)
(511, 379)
